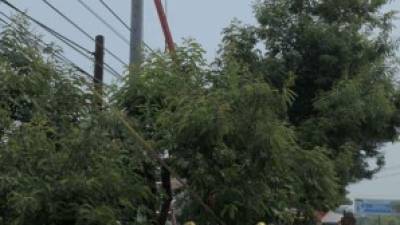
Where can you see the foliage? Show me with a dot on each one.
(61, 160)
(260, 135)
(224, 132)
(341, 57)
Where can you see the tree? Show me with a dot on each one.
(61, 160)
(226, 135)
(342, 59)
(268, 135)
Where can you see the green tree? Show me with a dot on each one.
(225, 131)
(342, 59)
(61, 160)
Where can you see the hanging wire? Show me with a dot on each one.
(115, 14)
(109, 26)
(108, 68)
(394, 167)
(3, 21)
(387, 176)
(46, 28)
(124, 24)
(81, 30)
(32, 37)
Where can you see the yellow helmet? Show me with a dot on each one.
(190, 223)
(261, 223)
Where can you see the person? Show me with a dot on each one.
(348, 219)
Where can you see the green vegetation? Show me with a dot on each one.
(270, 135)
(342, 59)
(61, 162)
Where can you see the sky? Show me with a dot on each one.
(202, 20)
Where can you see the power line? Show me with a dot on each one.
(3, 21)
(108, 68)
(81, 30)
(43, 45)
(46, 28)
(109, 26)
(124, 23)
(387, 176)
(394, 167)
(55, 34)
(115, 14)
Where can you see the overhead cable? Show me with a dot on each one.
(115, 14)
(81, 30)
(124, 23)
(109, 26)
(107, 67)
(46, 28)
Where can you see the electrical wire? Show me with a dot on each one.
(107, 67)
(109, 26)
(387, 176)
(81, 30)
(115, 14)
(124, 24)
(44, 45)
(3, 21)
(46, 28)
(54, 34)
(394, 167)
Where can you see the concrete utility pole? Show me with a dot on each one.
(98, 71)
(136, 49)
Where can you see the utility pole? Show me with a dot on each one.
(98, 71)
(136, 49)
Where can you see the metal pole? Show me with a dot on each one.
(136, 54)
(98, 71)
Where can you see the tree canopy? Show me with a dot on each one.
(61, 161)
(342, 59)
(288, 115)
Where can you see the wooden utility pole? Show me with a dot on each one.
(98, 71)
(136, 48)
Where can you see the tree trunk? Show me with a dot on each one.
(166, 205)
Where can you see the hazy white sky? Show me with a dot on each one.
(199, 19)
